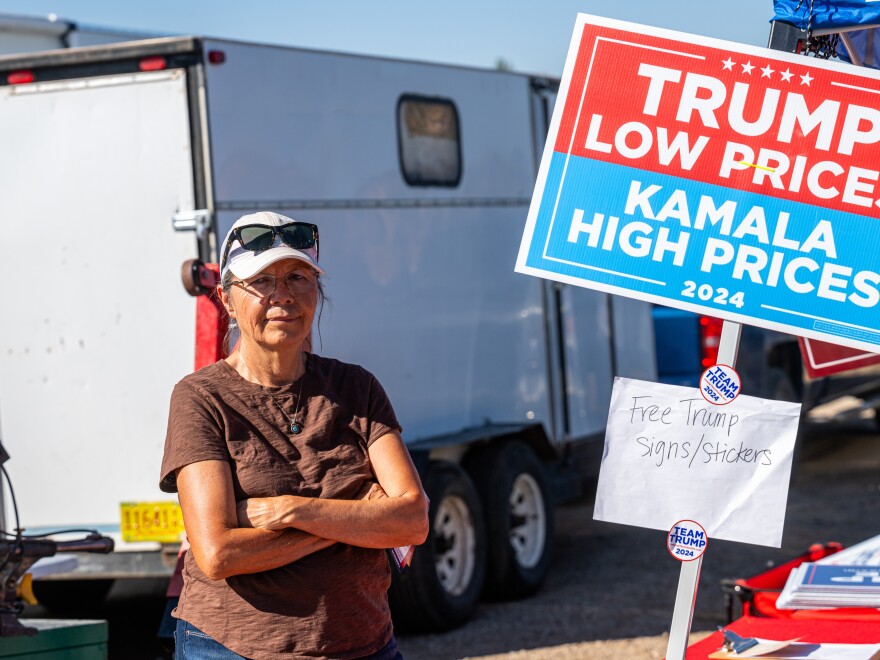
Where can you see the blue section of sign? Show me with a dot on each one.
(731, 253)
(864, 577)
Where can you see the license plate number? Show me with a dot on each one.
(151, 521)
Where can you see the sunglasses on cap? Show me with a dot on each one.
(258, 238)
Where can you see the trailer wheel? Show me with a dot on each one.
(441, 588)
(513, 488)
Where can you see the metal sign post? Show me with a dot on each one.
(688, 581)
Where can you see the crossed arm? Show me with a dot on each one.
(264, 533)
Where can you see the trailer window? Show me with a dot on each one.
(428, 138)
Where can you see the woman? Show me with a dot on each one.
(291, 473)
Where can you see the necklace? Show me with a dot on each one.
(296, 427)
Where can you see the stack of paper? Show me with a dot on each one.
(817, 586)
(402, 556)
(866, 553)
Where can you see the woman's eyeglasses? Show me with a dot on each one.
(298, 282)
(257, 238)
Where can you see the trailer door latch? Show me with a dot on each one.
(198, 221)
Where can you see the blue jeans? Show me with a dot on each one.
(192, 644)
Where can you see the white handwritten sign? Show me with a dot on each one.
(670, 455)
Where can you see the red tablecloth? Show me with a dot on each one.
(852, 632)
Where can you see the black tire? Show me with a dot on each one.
(441, 588)
(512, 485)
(72, 596)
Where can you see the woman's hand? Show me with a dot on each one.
(264, 512)
(276, 512)
(221, 544)
(389, 512)
(371, 491)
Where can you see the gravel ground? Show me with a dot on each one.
(611, 591)
(615, 649)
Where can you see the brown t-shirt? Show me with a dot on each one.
(332, 603)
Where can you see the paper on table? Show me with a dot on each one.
(670, 456)
(401, 556)
(819, 586)
(764, 647)
(770, 650)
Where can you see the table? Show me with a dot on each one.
(58, 639)
(852, 632)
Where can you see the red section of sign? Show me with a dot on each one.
(788, 128)
(824, 359)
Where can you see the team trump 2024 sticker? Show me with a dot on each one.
(720, 384)
(687, 540)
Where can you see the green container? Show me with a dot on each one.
(58, 639)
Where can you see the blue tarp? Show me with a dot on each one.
(843, 15)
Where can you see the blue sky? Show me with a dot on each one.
(532, 35)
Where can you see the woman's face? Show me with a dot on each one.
(282, 318)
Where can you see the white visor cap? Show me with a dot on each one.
(246, 263)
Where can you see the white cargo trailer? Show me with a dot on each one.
(121, 161)
(25, 34)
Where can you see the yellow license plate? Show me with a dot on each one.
(151, 521)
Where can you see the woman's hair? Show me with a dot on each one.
(232, 327)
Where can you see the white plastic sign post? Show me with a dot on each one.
(715, 177)
(689, 579)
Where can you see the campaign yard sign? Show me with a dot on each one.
(724, 179)
(824, 359)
